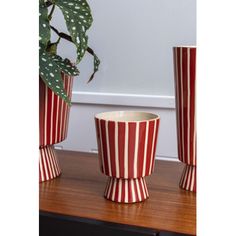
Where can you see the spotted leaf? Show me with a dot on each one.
(65, 65)
(96, 63)
(51, 75)
(78, 19)
(44, 27)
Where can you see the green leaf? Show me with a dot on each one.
(96, 63)
(44, 27)
(51, 75)
(78, 19)
(65, 65)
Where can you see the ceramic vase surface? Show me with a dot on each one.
(53, 126)
(126, 146)
(185, 93)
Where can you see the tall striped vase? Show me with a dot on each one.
(53, 126)
(126, 146)
(185, 82)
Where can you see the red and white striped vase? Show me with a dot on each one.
(53, 126)
(185, 82)
(126, 146)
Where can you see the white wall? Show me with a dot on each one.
(134, 40)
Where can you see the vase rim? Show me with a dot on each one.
(185, 46)
(127, 116)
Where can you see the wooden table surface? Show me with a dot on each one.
(79, 192)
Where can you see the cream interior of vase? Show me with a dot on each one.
(126, 116)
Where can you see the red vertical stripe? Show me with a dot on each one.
(180, 107)
(121, 144)
(142, 132)
(104, 146)
(192, 103)
(155, 142)
(131, 147)
(41, 111)
(111, 133)
(149, 146)
(99, 144)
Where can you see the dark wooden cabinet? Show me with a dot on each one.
(73, 204)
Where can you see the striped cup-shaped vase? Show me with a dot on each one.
(53, 126)
(185, 83)
(126, 147)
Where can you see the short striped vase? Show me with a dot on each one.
(126, 146)
(53, 125)
(185, 82)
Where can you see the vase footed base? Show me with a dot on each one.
(188, 179)
(126, 190)
(48, 164)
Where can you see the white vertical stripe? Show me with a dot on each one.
(185, 176)
(109, 189)
(117, 151)
(132, 190)
(68, 108)
(40, 165)
(153, 146)
(114, 189)
(177, 101)
(136, 149)
(49, 157)
(45, 115)
(193, 178)
(145, 149)
(145, 186)
(138, 189)
(61, 120)
(188, 105)
(120, 190)
(67, 82)
(143, 190)
(126, 150)
(189, 177)
(57, 114)
(126, 190)
(108, 148)
(194, 142)
(182, 102)
(194, 133)
(45, 165)
(100, 132)
(54, 159)
(51, 119)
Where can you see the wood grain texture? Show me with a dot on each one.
(79, 192)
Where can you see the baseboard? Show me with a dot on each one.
(120, 99)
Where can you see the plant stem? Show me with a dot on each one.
(62, 35)
(48, 4)
(68, 38)
(51, 12)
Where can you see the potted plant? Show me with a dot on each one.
(56, 76)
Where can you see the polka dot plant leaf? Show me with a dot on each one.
(65, 65)
(96, 63)
(51, 75)
(44, 27)
(78, 19)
